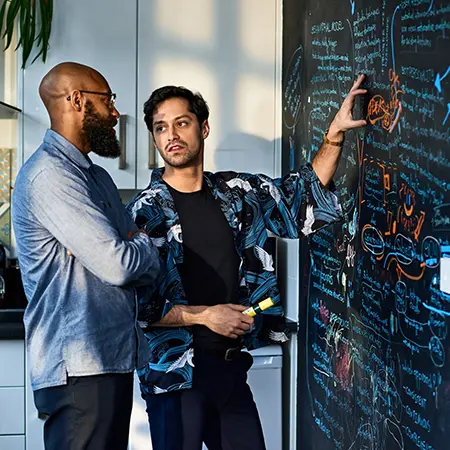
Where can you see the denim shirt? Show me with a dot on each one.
(81, 313)
(257, 208)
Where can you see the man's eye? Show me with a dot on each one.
(183, 123)
(159, 129)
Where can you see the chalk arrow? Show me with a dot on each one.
(353, 6)
(437, 83)
(448, 114)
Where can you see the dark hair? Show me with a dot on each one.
(197, 104)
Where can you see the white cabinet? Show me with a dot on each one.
(101, 34)
(12, 392)
(34, 426)
(12, 357)
(224, 50)
(227, 52)
(12, 403)
(12, 443)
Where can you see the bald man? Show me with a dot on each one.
(82, 259)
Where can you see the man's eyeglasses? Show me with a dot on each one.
(112, 97)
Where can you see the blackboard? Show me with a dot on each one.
(374, 345)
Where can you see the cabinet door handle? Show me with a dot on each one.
(123, 141)
(151, 152)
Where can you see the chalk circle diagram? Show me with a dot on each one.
(438, 325)
(372, 240)
(292, 94)
(431, 252)
(437, 352)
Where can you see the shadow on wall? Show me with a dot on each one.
(243, 152)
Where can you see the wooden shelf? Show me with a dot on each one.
(8, 111)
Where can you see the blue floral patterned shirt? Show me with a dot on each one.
(256, 207)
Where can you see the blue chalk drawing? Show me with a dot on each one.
(353, 6)
(448, 114)
(437, 83)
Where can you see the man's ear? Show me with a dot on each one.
(205, 129)
(76, 100)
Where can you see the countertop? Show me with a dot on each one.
(11, 325)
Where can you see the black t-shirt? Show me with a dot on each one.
(210, 269)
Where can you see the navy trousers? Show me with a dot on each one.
(219, 410)
(88, 413)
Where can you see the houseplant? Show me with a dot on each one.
(31, 16)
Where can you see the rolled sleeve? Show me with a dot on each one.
(297, 204)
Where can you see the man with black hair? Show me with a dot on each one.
(81, 257)
(212, 231)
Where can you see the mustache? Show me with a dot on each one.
(171, 144)
(110, 122)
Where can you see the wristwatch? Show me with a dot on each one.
(334, 144)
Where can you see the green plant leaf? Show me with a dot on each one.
(2, 14)
(13, 10)
(23, 13)
(48, 7)
(29, 30)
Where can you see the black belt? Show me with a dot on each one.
(228, 354)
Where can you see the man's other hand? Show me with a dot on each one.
(227, 320)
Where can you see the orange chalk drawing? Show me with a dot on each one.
(387, 112)
(411, 219)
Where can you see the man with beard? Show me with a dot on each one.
(82, 259)
(213, 231)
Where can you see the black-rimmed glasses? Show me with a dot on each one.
(112, 97)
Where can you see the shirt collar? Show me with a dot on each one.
(68, 149)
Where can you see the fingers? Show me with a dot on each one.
(357, 124)
(350, 99)
(239, 308)
(357, 92)
(69, 253)
(242, 317)
(247, 319)
(358, 82)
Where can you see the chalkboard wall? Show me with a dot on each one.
(374, 352)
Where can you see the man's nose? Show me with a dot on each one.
(116, 113)
(173, 134)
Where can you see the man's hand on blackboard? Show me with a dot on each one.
(343, 120)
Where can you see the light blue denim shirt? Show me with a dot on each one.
(81, 315)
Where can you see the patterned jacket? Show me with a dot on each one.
(256, 208)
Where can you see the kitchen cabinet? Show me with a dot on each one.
(8, 72)
(34, 424)
(12, 443)
(12, 392)
(224, 50)
(12, 357)
(229, 54)
(12, 403)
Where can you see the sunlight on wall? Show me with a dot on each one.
(257, 29)
(197, 77)
(255, 106)
(179, 20)
(10, 75)
(8, 133)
